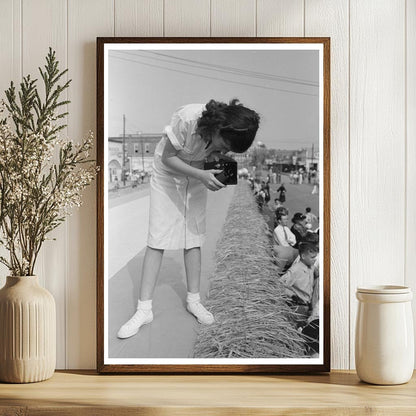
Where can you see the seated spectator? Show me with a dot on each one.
(282, 235)
(312, 239)
(311, 329)
(283, 241)
(299, 228)
(299, 282)
(256, 186)
(260, 198)
(279, 211)
(251, 182)
(266, 189)
(277, 204)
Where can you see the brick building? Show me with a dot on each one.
(139, 150)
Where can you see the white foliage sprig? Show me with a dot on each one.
(41, 176)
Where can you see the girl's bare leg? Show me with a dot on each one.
(192, 259)
(150, 272)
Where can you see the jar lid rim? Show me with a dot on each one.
(384, 289)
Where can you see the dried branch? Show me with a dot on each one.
(36, 193)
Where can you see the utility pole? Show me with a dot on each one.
(141, 147)
(123, 168)
(313, 157)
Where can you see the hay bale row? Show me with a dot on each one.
(246, 298)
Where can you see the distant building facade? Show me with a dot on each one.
(287, 160)
(139, 150)
(115, 160)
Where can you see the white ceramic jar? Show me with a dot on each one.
(384, 337)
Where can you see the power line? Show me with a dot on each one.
(307, 82)
(225, 69)
(214, 78)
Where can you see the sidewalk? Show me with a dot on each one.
(173, 331)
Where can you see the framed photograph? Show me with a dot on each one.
(213, 222)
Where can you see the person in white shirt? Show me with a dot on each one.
(282, 235)
(283, 242)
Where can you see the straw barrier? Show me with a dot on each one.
(252, 319)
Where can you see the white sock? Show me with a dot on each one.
(193, 297)
(144, 305)
(195, 307)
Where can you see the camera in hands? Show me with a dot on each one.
(227, 165)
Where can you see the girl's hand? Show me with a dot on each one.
(210, 181)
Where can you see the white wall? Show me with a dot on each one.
(373, 132)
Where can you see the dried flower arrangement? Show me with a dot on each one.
(42, 176)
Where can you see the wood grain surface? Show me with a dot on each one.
(10, 65)
(411, 148)
(187, 18)
(85, 19)
(138, 18)
(331, 18)
(377, 148)
(233, 18)
(280, 18)
(36, 40)
(339, 393)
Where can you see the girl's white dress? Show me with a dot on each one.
(178, 202)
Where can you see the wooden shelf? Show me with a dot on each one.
(86, 393)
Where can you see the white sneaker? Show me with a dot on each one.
(198, 310)
(132, 326)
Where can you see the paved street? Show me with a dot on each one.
(298, 197)
(173, 331)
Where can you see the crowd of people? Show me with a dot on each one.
(261, 189)
(295, 250)
(299, 176)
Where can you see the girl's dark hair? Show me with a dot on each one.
(236, 124)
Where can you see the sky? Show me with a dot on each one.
(281, 85)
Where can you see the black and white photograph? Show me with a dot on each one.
(213, 224)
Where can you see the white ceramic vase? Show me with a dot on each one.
(27, 331)
(384, 340)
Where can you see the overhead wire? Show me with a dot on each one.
(215, 78)
(237, 69)
(224, 69)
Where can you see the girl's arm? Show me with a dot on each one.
(172, 161)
